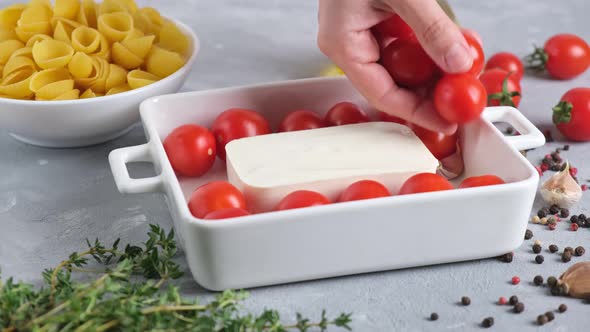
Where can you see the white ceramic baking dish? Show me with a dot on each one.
(338, 239)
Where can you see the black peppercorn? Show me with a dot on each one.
(513, 300)
(566, 147)
(574, 219)
(538, 280)
(541, 214)
(539, 259)
(554, 209)
(551, 282)
(528, 234)
(562, 308)
(487, 322)
(566, 256)
(434, 316)
(564, 213)
(465, 300)
(519, 307)
(537, 248)
(553, 248)
(506, 258)
(580, 251)
(570, 249)
(550, 316)
(542, 319)
(555, 168)
(582, 216)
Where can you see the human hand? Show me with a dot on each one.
(345, 37)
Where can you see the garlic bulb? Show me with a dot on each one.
(561, 189)
(575, 282)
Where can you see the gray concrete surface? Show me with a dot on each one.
(51, 200)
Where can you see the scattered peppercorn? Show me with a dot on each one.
(465, 300)
(580, 251)
(536, 219)
(502, 300)
(434, 316)
(543, 221)
(574, 219)
(566, 256)
(564, 213)
(551, 282)
(570, 249)
(584, 187)
(562, 308)
(566, 147)
(553, 248)
(558, 290)
(537, 248)
(555, 168)
(548, 136)
(574, 227)
(554, 209)
(513, 300)
(538, 280)
(542, 319)
(515, 280)
(541, 213)
(538, 242)
(487, 322)
(582, 223)
(528, 234)
(582, 216)
(551, 220)
(506, 258)
(539, 259)
(552, 227)
(550, 315)
(519, 307)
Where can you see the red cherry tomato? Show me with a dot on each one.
(301, 120)
(564, 56)
(214, 196)
(507, 61)
(345, 113)
(476, 52)
(227, 213)
(480, 181)
(502, 88)
(190, 149)
(389, 118)
(408, 64)
(302, 199)
(425, 182)
(394, 27)
(440, 145)
(237, 123)
(365, 189)
(459, 98)
(572, 114)
(474, 34)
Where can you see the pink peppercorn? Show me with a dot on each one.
(515, 280)
(552, 227)
(584, 187)
(502, 300)
(574, 227)
(539, 170)
(548, 156)
(573, 171)
(544, 167)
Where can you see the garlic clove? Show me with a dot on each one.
(561, 189)
(575, 282)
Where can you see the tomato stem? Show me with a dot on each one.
(538, 59)
(505, 96)
(562, 112)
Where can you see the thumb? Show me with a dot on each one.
(439, 35)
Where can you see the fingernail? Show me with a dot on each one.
(458, 59)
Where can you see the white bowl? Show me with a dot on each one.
(83, 122)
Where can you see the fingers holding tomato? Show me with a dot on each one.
(439, 144)
(460, 98)
(408, 64)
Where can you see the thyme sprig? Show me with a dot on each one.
(117, 300)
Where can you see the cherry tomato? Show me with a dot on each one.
(572, 114)
(564, 56)
(213, 196)
(408, 64)
(480, 181)
(345, 113)
(301, 120)
(502, 88)
(425, 182)
(394, 27)
(227, 213)
(389, 118)
(301, 199)
(365, 189)
(237, 123)
(459, 98)
(191, 150)
(440, 145)
(476, 52)
(474, 34)
(507, 61)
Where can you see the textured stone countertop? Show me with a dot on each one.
(50, 200)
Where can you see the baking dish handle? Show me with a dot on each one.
(530, 136)
(119, 158)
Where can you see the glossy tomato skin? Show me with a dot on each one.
(408, 64)
(345, 113)
(227, 213)
(459, 98)
(425, 182)
(301, 199)
(394, 27)
(574, 104)
(384, 117)
(301, 120)
(365, 189)
(493, 80)
(476, 52)
(568, 56)
(237, 123)
(439, 144)
(191, 150)
(214, 196)
(481, 181)
(508, 62)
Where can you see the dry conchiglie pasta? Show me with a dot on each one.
(90, 41)
(69, 95)
(35, 19)
(50, 84)
(63, 28)
(66, 8)
(117, 76)
(36, 38)
(87, 13)
(139, 78)
(113, 6)
(131, 52)
(10, 15)
(115, 26)
(52, 54)
(148, 20)
(163, 63)
(7, 34)
(95, 74)
(17, 84)
(81, 65)
(88, 94)
(16, 63)
(8, 47)
(171, 38)
(118, 89)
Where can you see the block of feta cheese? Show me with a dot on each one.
(267, 168)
